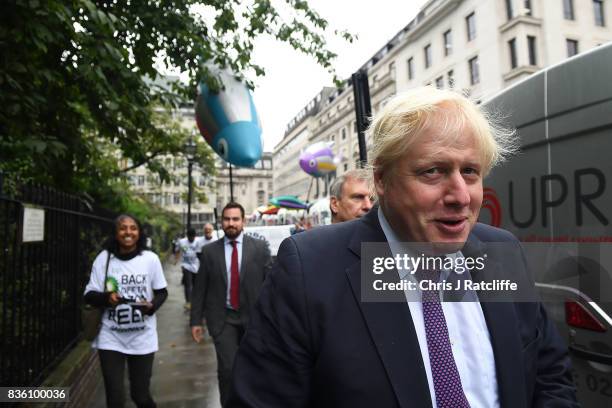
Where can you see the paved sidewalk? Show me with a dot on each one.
(184, 373)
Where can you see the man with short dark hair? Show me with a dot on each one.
(231, 273)
(315, 340)
(350, 195)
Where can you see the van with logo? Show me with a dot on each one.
(556, 195)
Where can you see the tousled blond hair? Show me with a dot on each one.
(400, 124)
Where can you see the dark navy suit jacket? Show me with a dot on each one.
(311, 342)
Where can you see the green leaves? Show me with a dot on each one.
(78, 80)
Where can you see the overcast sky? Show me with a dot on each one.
(292, 80)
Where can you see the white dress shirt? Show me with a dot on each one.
(228, 262)
(469, 337)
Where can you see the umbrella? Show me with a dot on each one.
(271, 210)
(288, 202)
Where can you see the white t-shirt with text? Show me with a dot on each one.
(189, 252)
(124, 328)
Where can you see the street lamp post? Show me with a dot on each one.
(190, 149)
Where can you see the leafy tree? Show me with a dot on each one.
(79, 81)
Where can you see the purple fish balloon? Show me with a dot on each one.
(318, 159)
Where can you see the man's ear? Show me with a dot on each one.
(333, 204)
(379, 184)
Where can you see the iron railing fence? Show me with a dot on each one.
(42, 283)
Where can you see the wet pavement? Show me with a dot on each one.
(184, 373)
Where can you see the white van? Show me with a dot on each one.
(558, 191)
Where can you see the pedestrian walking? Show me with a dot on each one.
(188, 249)
(210, 236)
(231, 273)
(128, 282)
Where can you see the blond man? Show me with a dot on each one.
(315, 341)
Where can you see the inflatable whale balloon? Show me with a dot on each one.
(228, 121)
(318, 159)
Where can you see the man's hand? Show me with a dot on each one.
(196, 333)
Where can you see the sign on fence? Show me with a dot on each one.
(33, 224)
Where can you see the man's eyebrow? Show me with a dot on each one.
(427, 160)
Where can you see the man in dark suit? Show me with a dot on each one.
(314, 339)
(231, 273)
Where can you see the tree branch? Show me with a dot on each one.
(140, 163)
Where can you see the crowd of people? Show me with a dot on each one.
(297, 332)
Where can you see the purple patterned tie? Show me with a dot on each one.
(447, 383)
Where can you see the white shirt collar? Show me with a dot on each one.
(395, 244)
(238, 239)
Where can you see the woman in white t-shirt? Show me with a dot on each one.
(134, 288)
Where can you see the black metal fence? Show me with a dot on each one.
(42, 283)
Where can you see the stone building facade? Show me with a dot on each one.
(478, 47)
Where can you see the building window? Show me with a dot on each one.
(260, 184)
(427, 55)
(527, 4)
(598, 9)
(332, 137)
(572, 47)
(568, 9)
(410, 68)
(345, 166)
(141, 180)
(512, 49)
(177, 198)
(450, 77)
(470, 23)
(531, 46)
(474, 71)
(509, 11)
(448, 43)
(440, 82)
(343, 133)
(261, 197)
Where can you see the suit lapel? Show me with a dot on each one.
(246, 254)
(221, 260)
(391, 328)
